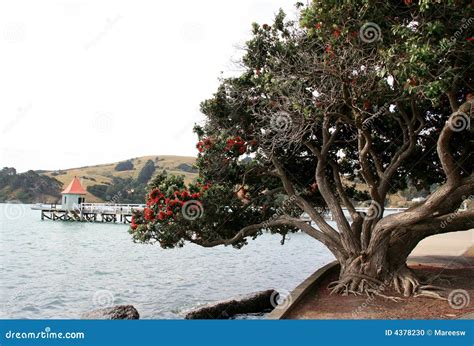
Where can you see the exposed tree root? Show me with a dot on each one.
(356, 284)
(378, 294)
(406, 283)
(403, 281)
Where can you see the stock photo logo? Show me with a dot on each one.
(281, 300)
(459, 299)
(14, 32)
(13, 210)
(374, 210)
(103, 299)
(281, 122)
(103, 123)
(370, 32)
(460, 122)
(192, 210)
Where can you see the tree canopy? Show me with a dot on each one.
(370, 90)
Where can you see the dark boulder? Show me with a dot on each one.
(119, 312)
(254, 303)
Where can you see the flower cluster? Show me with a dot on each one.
(135, 223)
(236, 145)
(162, 208)
(203, 145)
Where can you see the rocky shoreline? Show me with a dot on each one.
(255, 303)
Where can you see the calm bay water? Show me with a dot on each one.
(60, 270)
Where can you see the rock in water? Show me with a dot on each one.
(119, 312)
(253, 303)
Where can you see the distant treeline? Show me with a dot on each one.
(28, 187)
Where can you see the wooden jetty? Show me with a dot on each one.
(89, 212)
(73, 207)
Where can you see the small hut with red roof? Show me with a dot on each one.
(73, 195)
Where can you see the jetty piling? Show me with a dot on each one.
(89, 212)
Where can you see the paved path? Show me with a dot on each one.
(449, 244)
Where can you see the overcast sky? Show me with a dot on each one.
(89, 82)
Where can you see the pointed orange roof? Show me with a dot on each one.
(74, 187)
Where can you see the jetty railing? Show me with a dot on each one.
(91, 212)
(110, 208)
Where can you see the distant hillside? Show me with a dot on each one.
(123, 176)
(28, 187)
(120, 182)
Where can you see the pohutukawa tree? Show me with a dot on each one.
(354, 101)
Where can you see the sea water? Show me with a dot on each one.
(55, 269)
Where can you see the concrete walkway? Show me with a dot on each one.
(449, 244)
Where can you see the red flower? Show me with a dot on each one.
(236, 144)
(184, 194)
(149, 214)
(336, 33)
(133, 225)
(155, 193)
(470, 39)
(199, 146)
(204, 144)
(161, 215)
(318, 25)
(367, 105)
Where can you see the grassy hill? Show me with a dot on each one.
(104, 174)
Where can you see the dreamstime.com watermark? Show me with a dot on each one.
(370, 300)
(381, 111)
(463, 27)
(456, 213)
(44, 334)
(280, 211)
